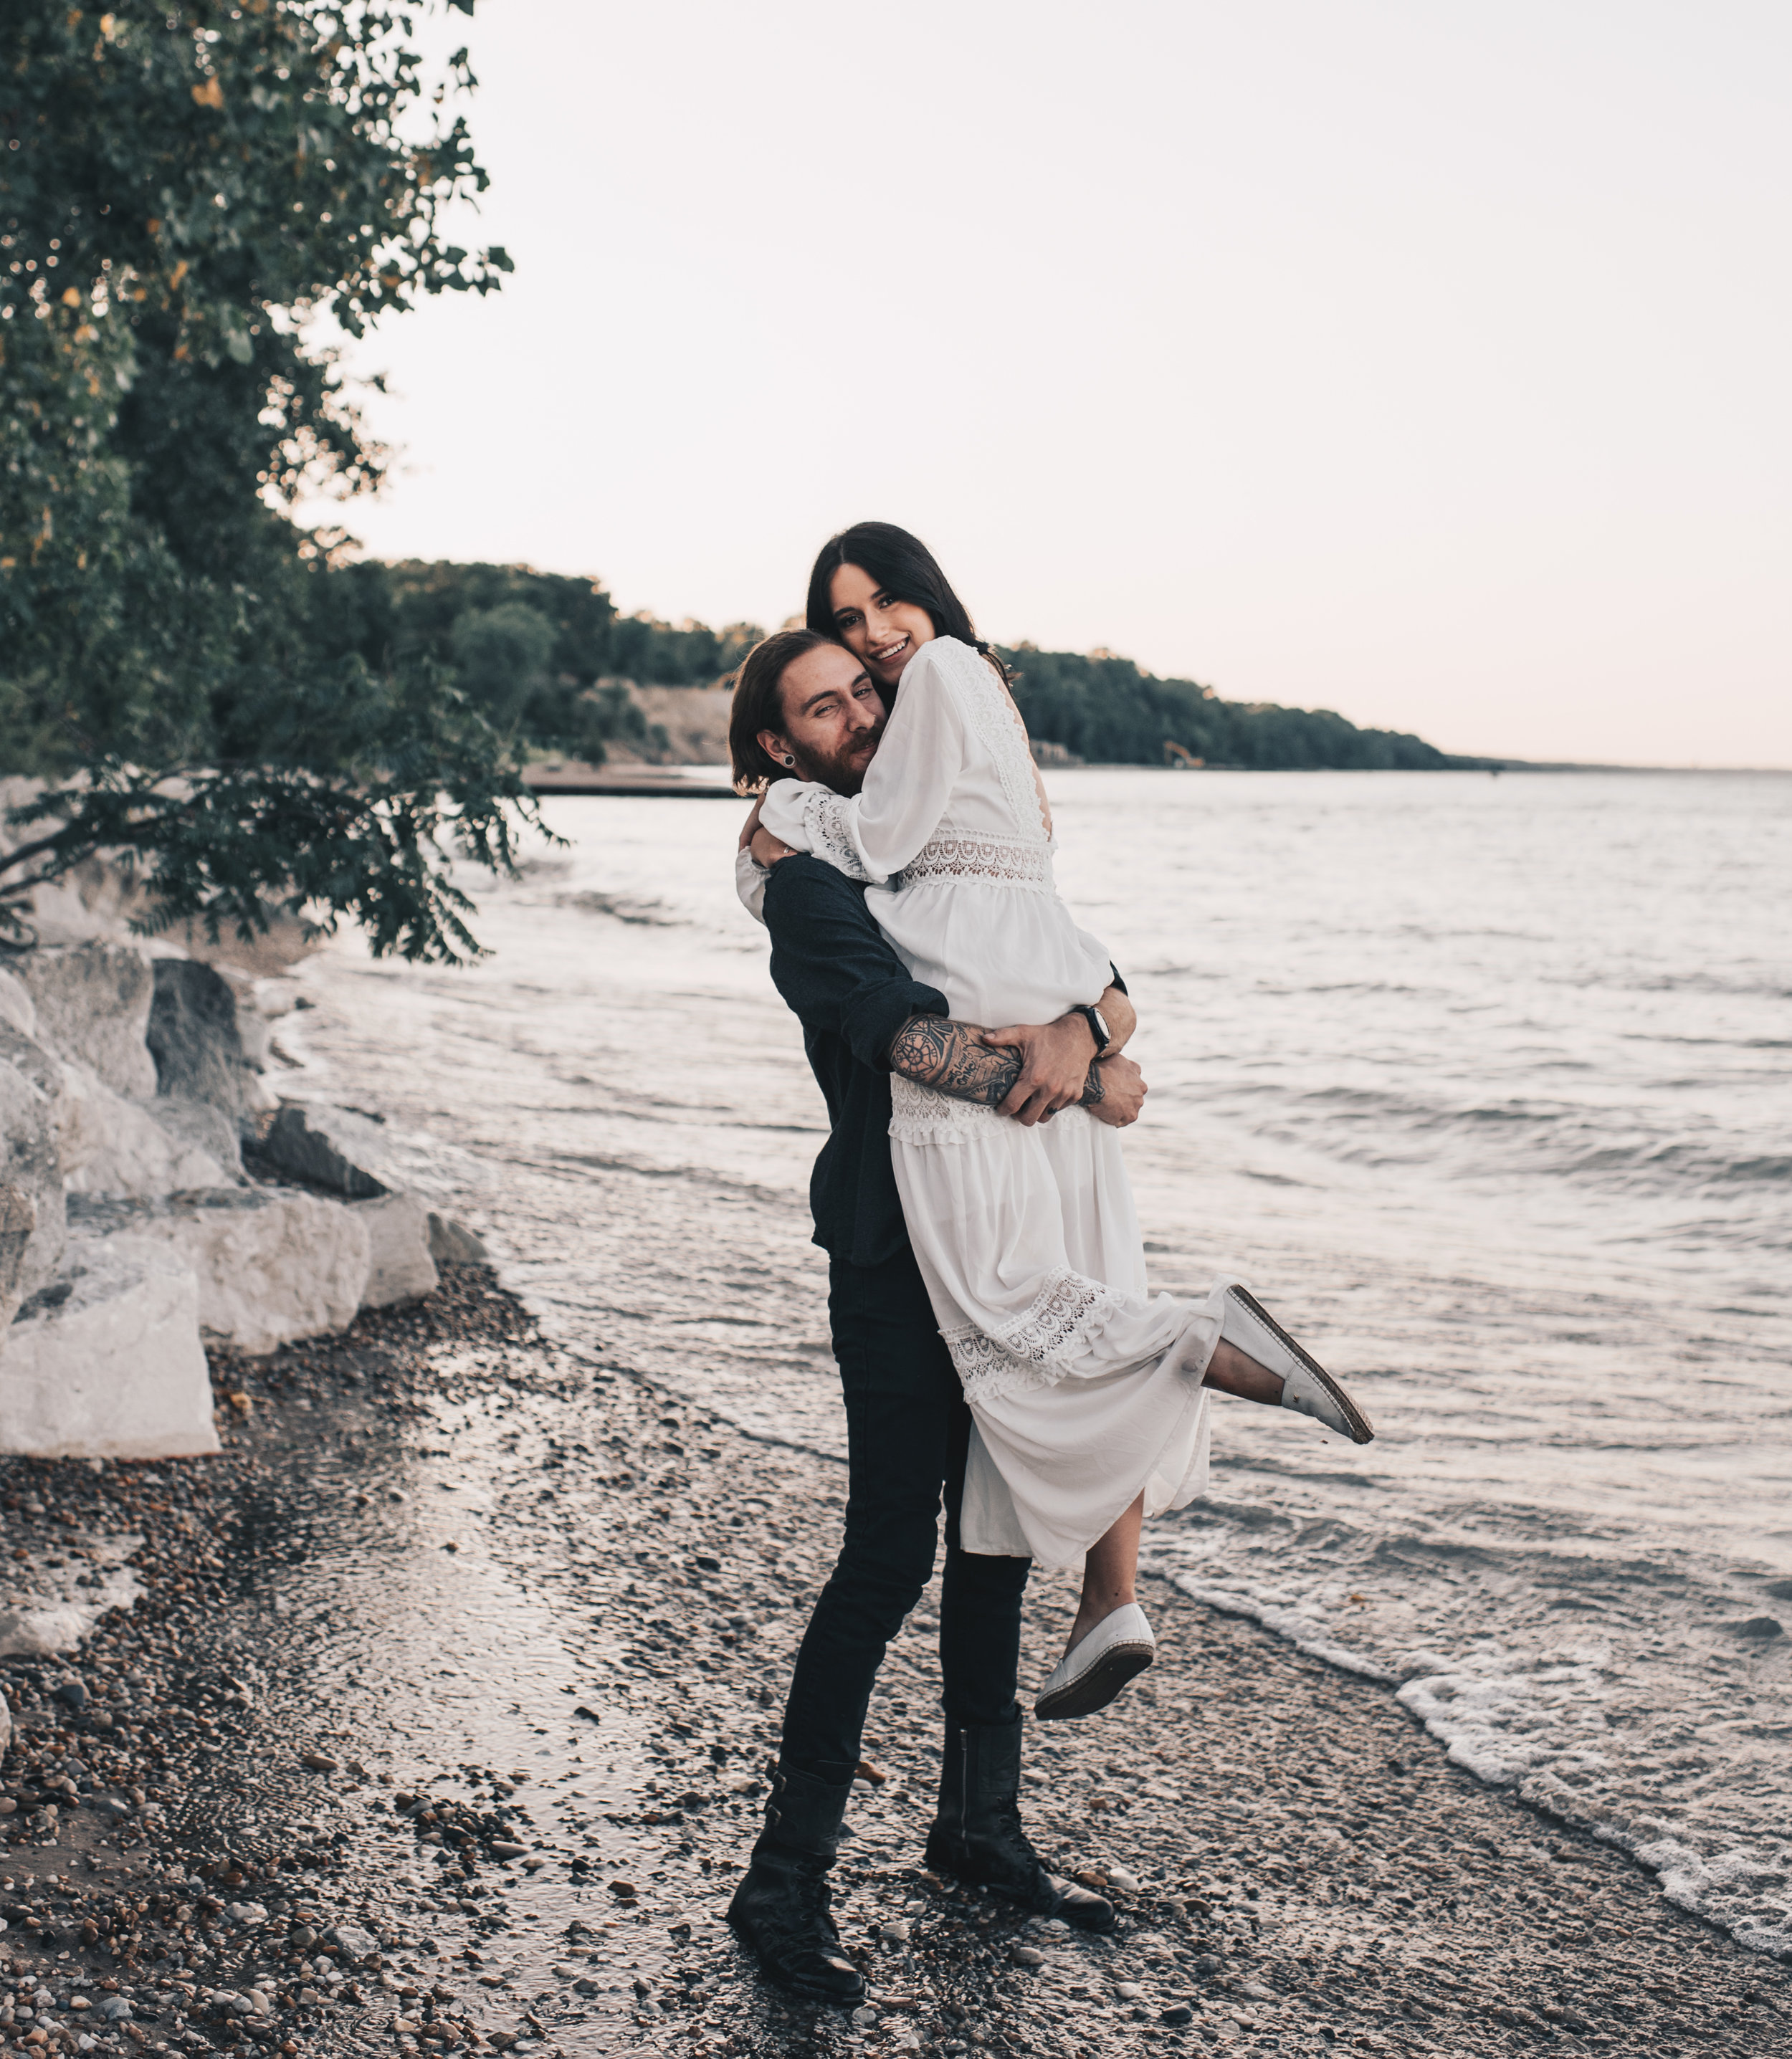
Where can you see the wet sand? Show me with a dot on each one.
(444, 1720)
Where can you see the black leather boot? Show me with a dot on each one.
(781, 1908)
(977, 1834)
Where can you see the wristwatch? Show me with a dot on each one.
(1098, 1029)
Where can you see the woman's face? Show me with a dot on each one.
(883, 632)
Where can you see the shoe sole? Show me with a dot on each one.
(940, 1859)
(1356, 1422)
(744, 1936)
(1106, 1678)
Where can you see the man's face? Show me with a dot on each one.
(834, 718)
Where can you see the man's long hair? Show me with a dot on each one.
(906, 570)
(758, 704)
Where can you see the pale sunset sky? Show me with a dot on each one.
(1420, 360)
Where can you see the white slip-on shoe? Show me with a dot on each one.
(1098, 1666)
(1307, 1387)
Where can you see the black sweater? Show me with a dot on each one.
(851, 994)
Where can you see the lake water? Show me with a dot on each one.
(1485, 1084)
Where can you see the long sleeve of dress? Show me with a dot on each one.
(750, 884)
(873, 833)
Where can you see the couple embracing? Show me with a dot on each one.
(998, 1348)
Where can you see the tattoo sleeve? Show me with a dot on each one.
(952, 1058)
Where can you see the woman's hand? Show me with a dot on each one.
(766, 849)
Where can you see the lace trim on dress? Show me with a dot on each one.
(924, 1115)
(997, 721)
(1030, 1352)
(825, 815)
(985, 857)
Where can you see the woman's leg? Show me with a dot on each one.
(1108, 1572)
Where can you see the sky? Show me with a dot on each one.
(1424, 362)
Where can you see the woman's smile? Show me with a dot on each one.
(879, 630)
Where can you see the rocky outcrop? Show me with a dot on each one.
(452, 1243)
(33, 1096)
(272, 1265)
(18, 1011)
(400, 1267)
(114, 1146)
(328, 1147)
(18, 1219)
(198, 1126)
(93, 1005)
(195, 1042)
(105, 1361)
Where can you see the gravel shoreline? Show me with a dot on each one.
(221, 1833)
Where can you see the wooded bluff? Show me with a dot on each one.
(547, 653)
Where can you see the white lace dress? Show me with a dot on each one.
(1084, 1388)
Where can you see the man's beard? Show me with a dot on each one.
(844, 771)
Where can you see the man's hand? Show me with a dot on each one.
(1123, 1093)
(1055, 1059)
(767, 850)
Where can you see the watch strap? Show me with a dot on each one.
(1098, 1029)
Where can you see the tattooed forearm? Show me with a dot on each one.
(952, 1058)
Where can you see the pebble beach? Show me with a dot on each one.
(517, 1830)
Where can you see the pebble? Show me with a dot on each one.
(1326, 1932)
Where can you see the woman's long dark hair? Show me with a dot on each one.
(906, 569)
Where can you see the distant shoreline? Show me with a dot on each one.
(633, 780)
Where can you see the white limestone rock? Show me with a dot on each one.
(93, 1005)
(18, 1221)
(196, 1042)
(329, 1147)
(452, 1243)
(33, 1098)
(18, 1011)
(107, 1361)
(400, 1268)
(272, 1265)
(198, 1126)
(114, 1146)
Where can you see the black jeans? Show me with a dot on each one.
(908, 1431)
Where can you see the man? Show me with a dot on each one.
(804, 703)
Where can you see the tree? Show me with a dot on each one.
(187, 192)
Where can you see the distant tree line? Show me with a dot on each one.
(531, 648)
(1106, 710)
(543, 655)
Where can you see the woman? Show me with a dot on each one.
(1087, 1391)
